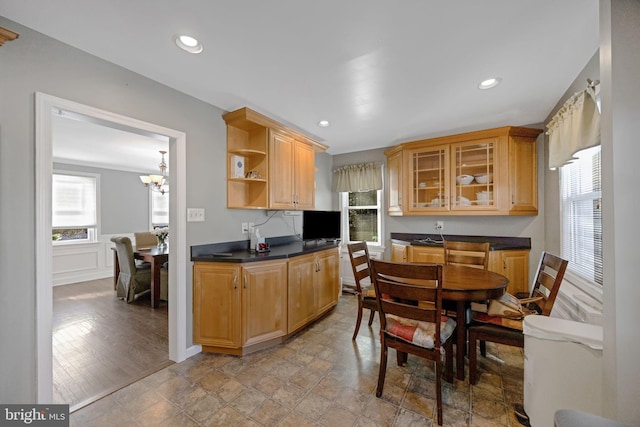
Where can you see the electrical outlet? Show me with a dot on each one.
(439, 225)
(245, 228)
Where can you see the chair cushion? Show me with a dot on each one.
(419, 333)
(369, 293)
(505, 322)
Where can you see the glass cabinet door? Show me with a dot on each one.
(472, 175)
(428, 183)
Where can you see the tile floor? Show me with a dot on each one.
(319, 377)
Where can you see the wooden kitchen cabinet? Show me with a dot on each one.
(426, 254)
(327, 277)
(314, 286)
(302, 294)
(394, 182)
(239, 308)
(264, 301)
(217, 305)
(513, 264)
(399, 252)
(269, 166)
(505, 156)
(292, 176)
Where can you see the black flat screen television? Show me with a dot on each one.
(318, 225)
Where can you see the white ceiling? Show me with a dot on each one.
(381, 71)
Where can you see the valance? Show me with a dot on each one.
(575, 127)
(359, 177)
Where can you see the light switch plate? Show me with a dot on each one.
(195, 214)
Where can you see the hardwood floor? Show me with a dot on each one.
(101, 343)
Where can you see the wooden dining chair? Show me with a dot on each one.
(361, 266)
(410, 302)
(543, 295)
(132, 280)
(470, 254)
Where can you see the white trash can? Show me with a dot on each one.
(562, 368)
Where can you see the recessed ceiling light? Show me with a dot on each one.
(189, 44)
(323, 123)
(489, 83)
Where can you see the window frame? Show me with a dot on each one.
(590, 287)
(345, 207)
(92, 232)
(153, 225)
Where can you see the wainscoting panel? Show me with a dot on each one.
(73, 263)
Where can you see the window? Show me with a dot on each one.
(362, 220)
(74, 204)
(581, 200)
(159, 208)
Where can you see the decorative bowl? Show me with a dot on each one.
(483, 178)
(464, 179)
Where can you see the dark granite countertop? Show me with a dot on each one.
(435, 240)
(280, 247)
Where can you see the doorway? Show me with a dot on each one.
(46, 106)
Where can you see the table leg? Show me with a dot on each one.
(155, 282)
(461, 339)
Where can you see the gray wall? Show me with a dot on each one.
(36, 63)
(619, 65)
(124, 201)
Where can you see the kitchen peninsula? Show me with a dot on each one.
(244, 302)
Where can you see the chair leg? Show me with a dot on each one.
(483, 348)
(383, 369)
(358, 320)
(473, 357)
(439, 390)
(401, 357)
(448, 368)
(371, 315)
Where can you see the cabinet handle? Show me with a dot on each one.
(504, 264)
(235, 282)
(245, 281)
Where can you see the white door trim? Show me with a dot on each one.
(178, 351)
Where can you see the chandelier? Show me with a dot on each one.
(157, 182)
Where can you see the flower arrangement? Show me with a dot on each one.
(161, 234)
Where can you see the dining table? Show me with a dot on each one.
(155, 256)
(464, 285)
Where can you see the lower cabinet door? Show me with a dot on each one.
(264, 301)
(216, 308)
(514, 264)
(327, 277)
(302, 299)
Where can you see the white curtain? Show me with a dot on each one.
(575, 127)
(359, 177)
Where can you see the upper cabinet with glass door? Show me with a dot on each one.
(472, 173)
(427, 180)
(490, 172)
